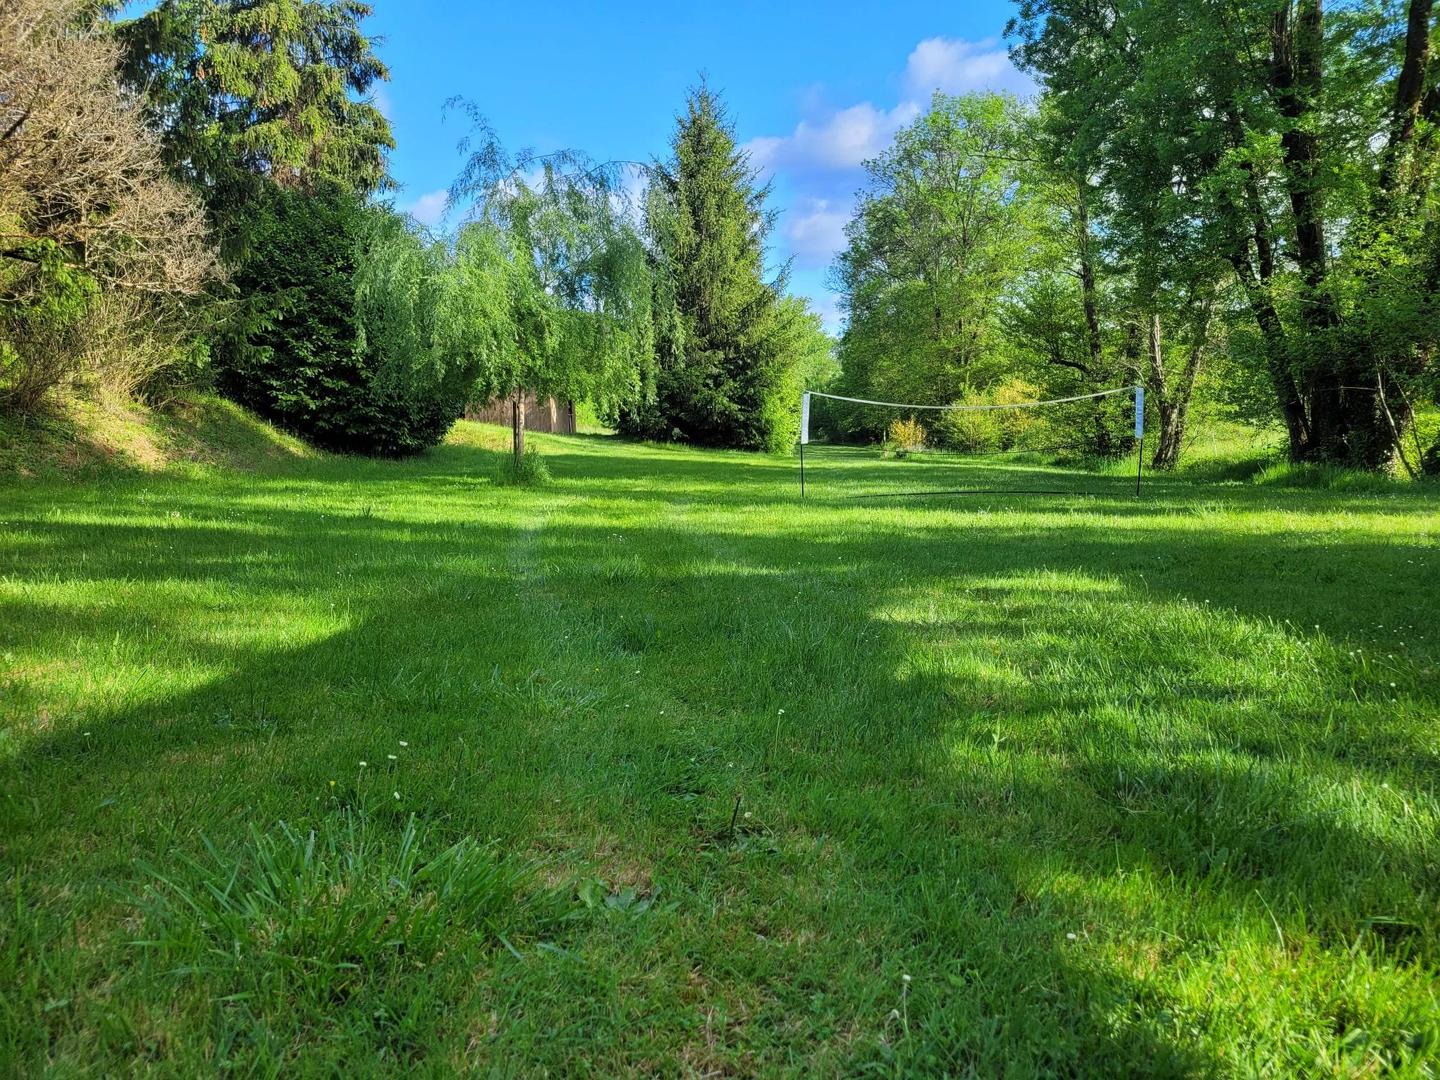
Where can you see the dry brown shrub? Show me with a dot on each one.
(83, 189)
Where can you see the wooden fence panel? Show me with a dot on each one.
(548, 415)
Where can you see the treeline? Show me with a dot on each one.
(199, 196)
(1232, 204)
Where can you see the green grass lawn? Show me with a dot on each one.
(343, 766)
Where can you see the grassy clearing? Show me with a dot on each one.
(352, 765)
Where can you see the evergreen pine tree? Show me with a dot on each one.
(721, 352)
(252, 93)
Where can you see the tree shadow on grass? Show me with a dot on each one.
(986, 781)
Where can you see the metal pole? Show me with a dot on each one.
(1139, 433)
(802, 470)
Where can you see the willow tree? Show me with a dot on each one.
(565, 271)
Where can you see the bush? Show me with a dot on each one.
(304, 351)
(969, 432)
(904, 437)
(99, 242)
(992, 431)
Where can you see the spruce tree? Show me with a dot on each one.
(721, 352)
(247, 94)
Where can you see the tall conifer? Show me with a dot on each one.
(722, 353)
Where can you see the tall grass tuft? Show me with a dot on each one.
(529, 471)
(330, 905)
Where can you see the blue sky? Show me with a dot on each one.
(813, 89)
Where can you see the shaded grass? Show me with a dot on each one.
(1122, 785)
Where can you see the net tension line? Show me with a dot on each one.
(1137, 390)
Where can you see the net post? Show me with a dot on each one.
(804, 436)
(1139, 434)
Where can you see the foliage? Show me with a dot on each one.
(570, 293)
(1281, 155)
(89, 224)
(905, 436)
(934, 244)
(250, 93)
(962, 731)
(990, 430)
(348, 331)
(973, 268)
(726, 347)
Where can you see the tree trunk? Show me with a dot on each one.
(1346, 424)
(1173, 396)
(1272, 334)
(1296, 77)
(1252, 224)
(1087, 274)
(517, 425)
(1409, 94)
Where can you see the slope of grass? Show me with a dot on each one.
(355, 766)
(80, 437)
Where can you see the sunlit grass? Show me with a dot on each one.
(665, 771)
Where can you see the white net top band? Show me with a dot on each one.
(976, 408)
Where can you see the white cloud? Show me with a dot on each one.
(841, 140)
(956, 66)
(815, 231)
(428, 209)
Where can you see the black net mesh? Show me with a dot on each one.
(867, 450)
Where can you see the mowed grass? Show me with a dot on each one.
(354, 767)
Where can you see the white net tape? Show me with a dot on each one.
(1138, 391)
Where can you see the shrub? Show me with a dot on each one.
(969, 432)
(993, 430)
(93, 227)
(905, 436)
(306, 352)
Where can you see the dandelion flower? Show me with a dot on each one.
(392, 757)
(1070, 937)
(404, 743)
(397, 794)
(362, 764)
